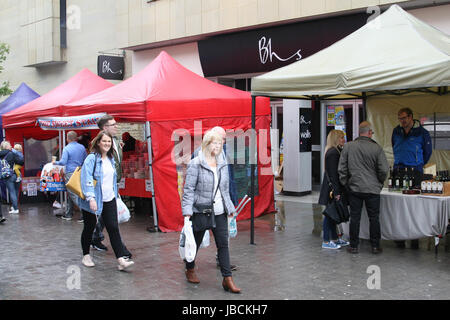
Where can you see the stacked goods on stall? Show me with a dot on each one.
(135, 163)
(438, 182)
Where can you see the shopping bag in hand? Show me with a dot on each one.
(123, 214)
(232, 226)
(205, 241)
(187, 247)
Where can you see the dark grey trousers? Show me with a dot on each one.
(221, 238)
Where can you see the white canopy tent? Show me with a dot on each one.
(394, 51)
(393, 56)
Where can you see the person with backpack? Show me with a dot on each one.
(7, 161)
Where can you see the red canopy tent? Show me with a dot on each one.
(167, 97)
(20, 123)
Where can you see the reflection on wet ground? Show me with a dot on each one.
(285, 262)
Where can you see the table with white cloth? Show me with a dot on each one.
(407, 217)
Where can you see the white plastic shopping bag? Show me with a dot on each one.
(205, 241)
(123, 214)
(232, 227)
(187, 247)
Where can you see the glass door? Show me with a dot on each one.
(342, 115)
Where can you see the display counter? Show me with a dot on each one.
(407, 217)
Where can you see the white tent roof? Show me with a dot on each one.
(393, 51)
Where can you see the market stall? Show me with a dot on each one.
(168, 97)
(23, 94)
(20, 124)
(395, 60)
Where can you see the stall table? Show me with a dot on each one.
(406, 217)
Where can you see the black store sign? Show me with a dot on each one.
(305, 129)
(267, 49)
(111, 67)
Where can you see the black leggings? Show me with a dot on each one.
(109, 215)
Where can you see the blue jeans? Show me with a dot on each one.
(13, 189)
(329, 228)
(71, 197)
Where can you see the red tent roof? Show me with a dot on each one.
(79, 86)
(165, 90)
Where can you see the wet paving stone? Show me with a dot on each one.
(42, 252)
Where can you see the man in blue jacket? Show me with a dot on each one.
(412, 148)
(72, 157)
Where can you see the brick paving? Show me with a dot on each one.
(41, 252)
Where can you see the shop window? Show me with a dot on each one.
(438, 125)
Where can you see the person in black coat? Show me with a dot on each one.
(335, 143)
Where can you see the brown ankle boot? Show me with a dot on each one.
(228, 285)
(191, 276)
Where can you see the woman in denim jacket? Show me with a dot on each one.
(100, 199)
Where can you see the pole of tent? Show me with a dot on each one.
(63, 195)
(252, 174)
(148, 137)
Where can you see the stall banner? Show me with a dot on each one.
(63, 123)
(30, 186)
(52, 178)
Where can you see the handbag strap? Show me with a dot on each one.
(329, 181)
(95, 163)
(218, 184)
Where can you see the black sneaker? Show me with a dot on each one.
(99, 246)
(2, 219)
(68, 218)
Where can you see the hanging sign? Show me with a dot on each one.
(66, 123)
(110, 67)
(305, 129)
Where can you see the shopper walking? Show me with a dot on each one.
(335, 144)
(206, 176)
(232, 183)
(108, 124)
(362, 169)
(101, 199)
(73, 156)
(11, 158)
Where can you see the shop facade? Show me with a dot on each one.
(233, 59)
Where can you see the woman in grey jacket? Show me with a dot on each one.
(205, 174)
